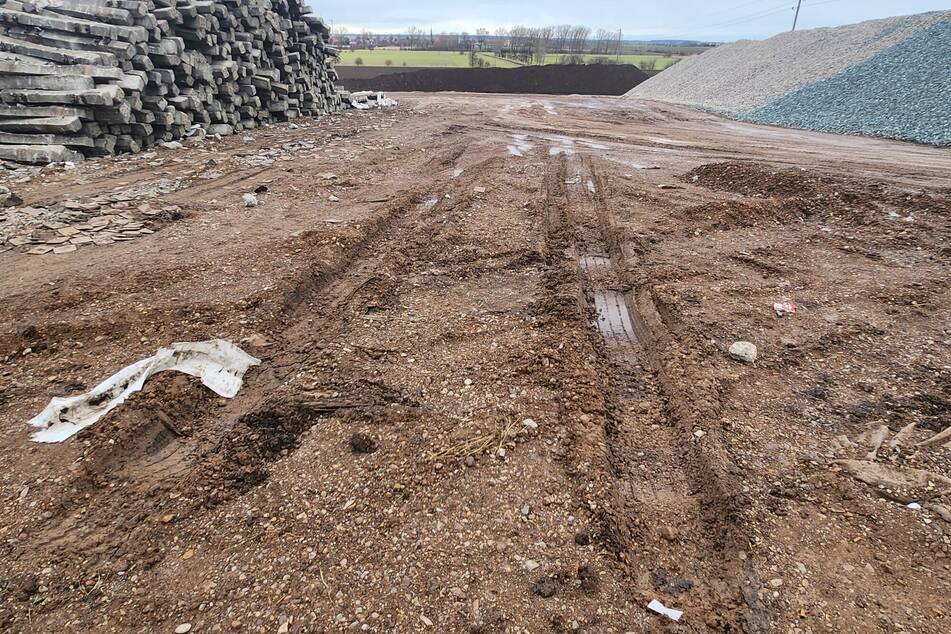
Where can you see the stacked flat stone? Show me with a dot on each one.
(96, 77)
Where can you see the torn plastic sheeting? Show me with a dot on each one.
(660, 608)
(785, 308)
(219, 364)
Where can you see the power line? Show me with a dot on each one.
(755, 16)
(727, 10)
(809, 4)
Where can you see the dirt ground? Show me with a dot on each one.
(495, 392)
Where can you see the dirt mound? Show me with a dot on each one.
(806, 193)
(553, 79)
(749, 179)
(735, 214)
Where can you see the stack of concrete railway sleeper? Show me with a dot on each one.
(97, 77)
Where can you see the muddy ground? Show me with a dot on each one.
(495, 392)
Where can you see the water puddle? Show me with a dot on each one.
(662, 141)
(614, 320)
(614, 317)
(590, 263)
(521, 145)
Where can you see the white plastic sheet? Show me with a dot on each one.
(219, 364)
(660, 608)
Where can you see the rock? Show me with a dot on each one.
(333, 199)
(530, 424)
(470, 461)
(527, 510)
(361, 443)
(8, 198)
(583, 539)
(545, 589)
(220, 129)
(531, 564)
(744, 351)
(27, 586)
(184, 628)
(250, 200)
(172, 145)
(480, 190)
(776, 583)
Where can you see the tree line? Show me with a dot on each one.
(520, 43)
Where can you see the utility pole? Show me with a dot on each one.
(796, 19)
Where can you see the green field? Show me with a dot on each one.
(450, 59)
(426, 59)
(661, 62)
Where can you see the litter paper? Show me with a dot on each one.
(219, 364)
(657, 606)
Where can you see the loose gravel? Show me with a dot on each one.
(903, 93)
(883, 77)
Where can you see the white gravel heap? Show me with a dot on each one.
(762, 80)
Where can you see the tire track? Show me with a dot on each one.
(697, 472)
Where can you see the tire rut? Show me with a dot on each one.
(706, 471)
(238, 440)
(669, 492)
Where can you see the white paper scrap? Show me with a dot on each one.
(660, 608)
(219, 364)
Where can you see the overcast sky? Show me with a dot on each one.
(640, 19)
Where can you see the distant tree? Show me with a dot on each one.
(578, 39)
(481, 36)
(500, 43)
(388, 62)
(358, 61)
(415, 36)
(561, 38)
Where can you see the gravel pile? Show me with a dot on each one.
(885, 78)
